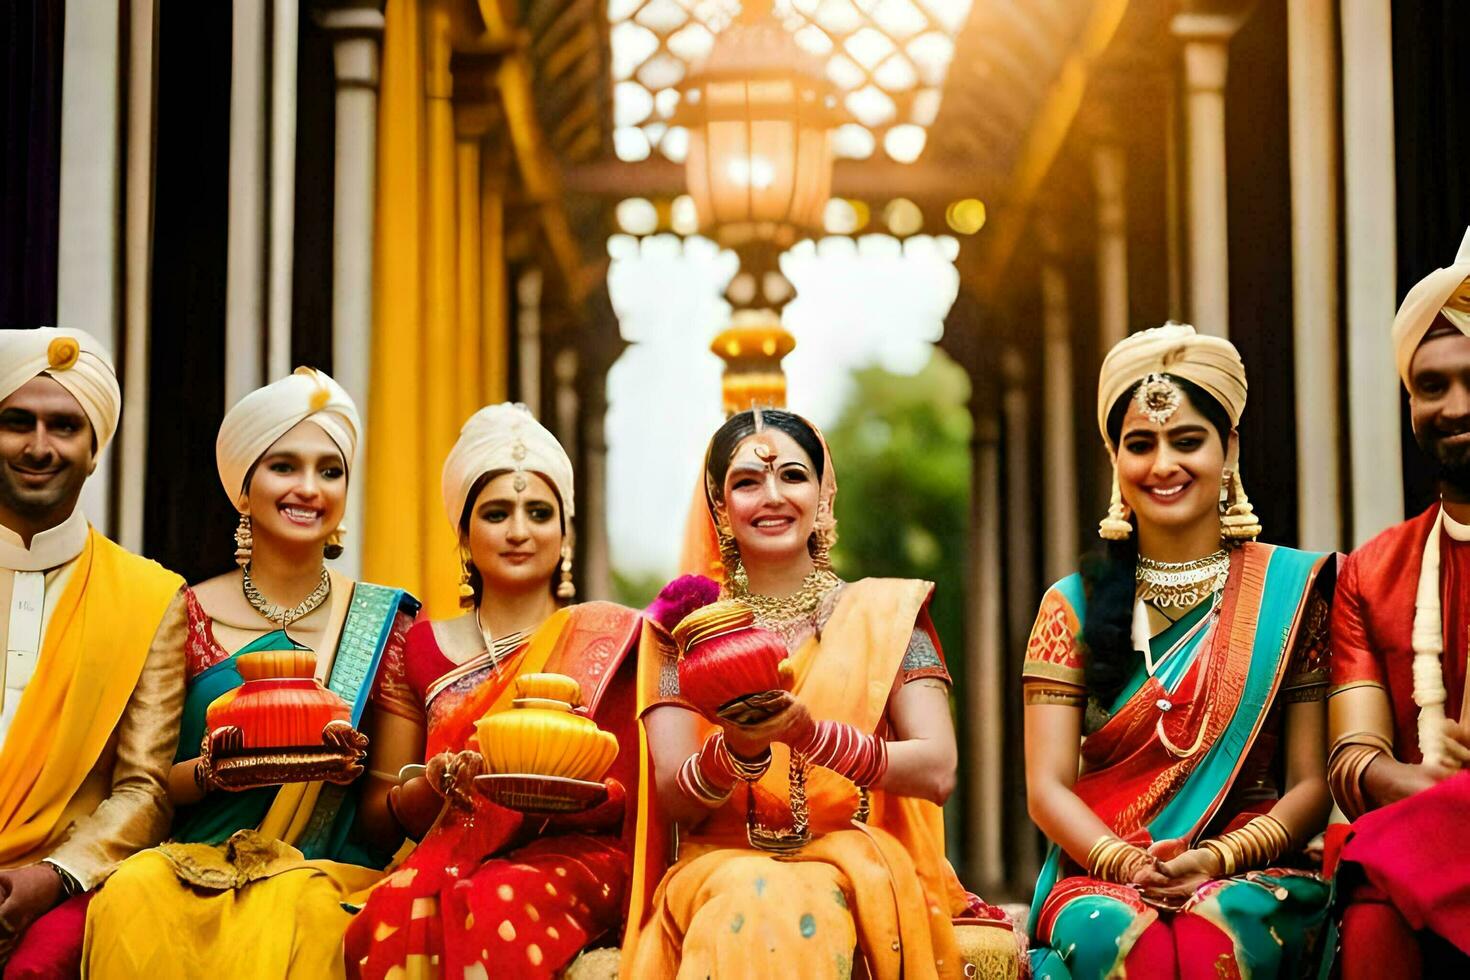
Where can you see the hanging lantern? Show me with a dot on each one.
(759, 114)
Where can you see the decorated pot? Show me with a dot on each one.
(542, 735)
(280, 705)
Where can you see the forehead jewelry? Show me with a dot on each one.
(518, 453)
(1158, 398)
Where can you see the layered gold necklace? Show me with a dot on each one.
(281, 615)
(1181, 584)
(787, 616)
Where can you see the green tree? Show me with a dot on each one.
(901, 450)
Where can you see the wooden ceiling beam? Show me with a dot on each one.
(861, 179)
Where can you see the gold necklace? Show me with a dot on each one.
(280, 614)
(1182, 584)
(499, 649)
(787, 616)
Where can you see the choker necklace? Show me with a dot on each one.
(1182, 584)
(279, 614)
(789, 615)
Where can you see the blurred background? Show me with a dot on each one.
(623, 213)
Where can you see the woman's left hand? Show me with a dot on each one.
(1185, 872)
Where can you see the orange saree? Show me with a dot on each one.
(881, 890)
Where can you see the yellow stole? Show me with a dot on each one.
(96, 643)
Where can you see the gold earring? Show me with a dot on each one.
(244, 541)
(466, 589)
(1115, 526)
(332, 550)
(1238, 520)
(566, 589)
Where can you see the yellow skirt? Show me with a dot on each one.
(249, 909)
(736, 913)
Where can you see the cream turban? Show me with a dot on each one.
(504, 437)
(1213, 363)
(1425, 301)
(75, 360)
(266, 414)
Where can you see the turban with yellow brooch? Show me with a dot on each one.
(1147, 359)
(75, 360)
(507, 438)
(1444, 291)
(266, 414)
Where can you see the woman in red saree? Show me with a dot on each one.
(1190, 663)
(490, 891)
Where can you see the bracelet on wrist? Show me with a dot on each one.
(70, 887)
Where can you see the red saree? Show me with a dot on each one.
(490, 892)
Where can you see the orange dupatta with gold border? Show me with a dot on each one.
(865, 640)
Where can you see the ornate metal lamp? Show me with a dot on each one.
(760, 115)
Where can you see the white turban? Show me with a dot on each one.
(266, 414)
(1426, 301)
(73, 359)
(504, 437)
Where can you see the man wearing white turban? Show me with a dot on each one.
(1399, 674)
(93, 668)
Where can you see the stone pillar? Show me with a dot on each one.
(1371, 289)
(1206, 38)
(1109, 180)
(985, 690)
(1312, 91)
(285, 20)
(245, 273)
(131, 444)
(1059, 443)
(1022, 594)
(528, 337)
(355, 30)
(87, 286)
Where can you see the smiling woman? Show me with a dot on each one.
(269, 864)
(1176, 843)
(810, 817)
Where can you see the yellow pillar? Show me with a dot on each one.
(414, 399)
(440, 419)
(494, 318)
(467, 179)
(394, 521)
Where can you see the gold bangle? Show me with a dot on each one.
(1224, 849)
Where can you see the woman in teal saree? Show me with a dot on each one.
(1190, 664)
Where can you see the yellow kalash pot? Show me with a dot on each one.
(543, 754)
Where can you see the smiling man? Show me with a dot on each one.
(1400, 628)
(93, 669)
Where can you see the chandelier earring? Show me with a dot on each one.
(566, 588)
(1238, 521)
(332, 550)
(1115, 527)
(729, 550)
(244, 541)
(466, 588)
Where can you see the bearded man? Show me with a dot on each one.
(1400, 632)
(94, 658)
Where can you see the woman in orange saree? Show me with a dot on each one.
(490, 891)
(749, 893)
